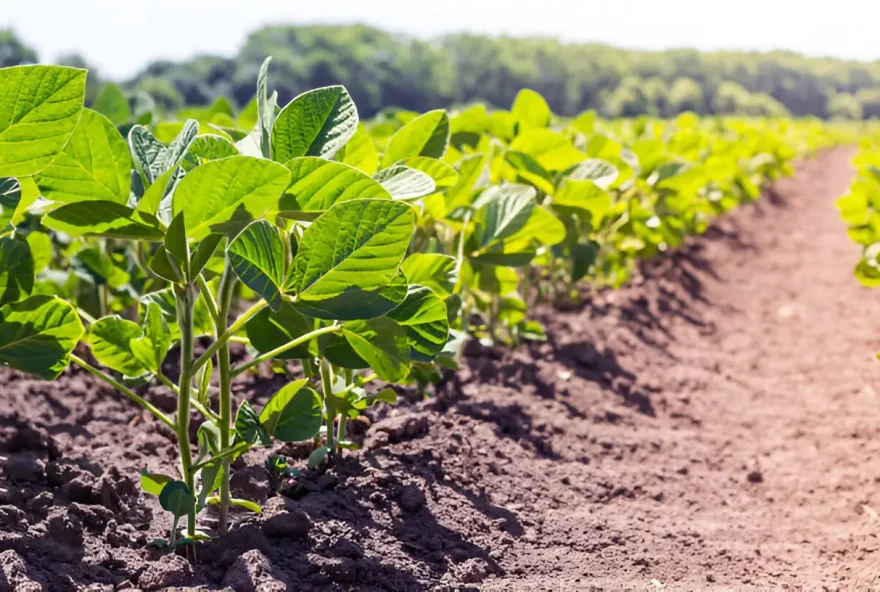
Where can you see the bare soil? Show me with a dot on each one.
(713, 424)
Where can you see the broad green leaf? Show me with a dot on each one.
(542, 227)
(41, 250)
(530, 171)
(152, 157)
(248, 427)
(316, 123)
(156, 200)
(16, 270)
(268, 330)
(553, 151)
(380, 344)
(110, 339)
(507, 209)
(443, 174)
(585, 197)
(223, 196)
(294, 413)
(102, 218)
(100, 267)
(153, 483)
(150, 350)
(426, 135)
(177, 498)
(39, 109)
(10, 197)
(355, 303)
(94, 166)
(600, 172)
(265, 104)
(470, 169)
(166, 267)
(360, 152)
(405, 183)
(203, 252)
(257, 257)
(355, 245)
(112, 104)
(206, 148)
(531, 110)
(318, 184)
(582, 257)
(30, 193)
(436, 271)
(38, 334)
(423, 314)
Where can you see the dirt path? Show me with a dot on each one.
(713, 424)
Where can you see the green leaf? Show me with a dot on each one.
(426, 135)
(531, 109)
(437, 272)
(553, 151)
(203, 382)
(423, 314)
(94, 166)
(210, 478)
(470, 170)
(39, 109)
(380, 344)
(206, 148)
(507, 209)
(268, 330)
(203, 252)
(16, 270)
(10, 197)
(38, 334)
(150, 350)
(529, 170)
(157, 197)
(41, 250)
(110, 339)
(600, 172)
(444, 175)
(248, 426)
(265, 108)
(355, 244)
(112, 104)
(223, 196)
(360, 152)
(152, 157)
(316, 123)
(175, 241)
(166, 267)
(257, 257)
(405, 183)
(356, 303)
(318, 184)
(153, 483)
(177, 498)
(318, 455)
(294, 413)
(584, 197)
(241, 503)
(583, 255)
(103, 218)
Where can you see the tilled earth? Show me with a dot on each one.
(714, 424)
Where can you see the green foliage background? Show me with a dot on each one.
(381, 69)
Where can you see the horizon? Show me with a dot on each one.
(119, 52)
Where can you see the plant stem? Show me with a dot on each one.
(287, 346)
(212, 304)
(185, 303)
(194, 402)
(227, 334)
(225, 292)
(123, 389)
(327, 385)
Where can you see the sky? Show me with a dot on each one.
(102, 31)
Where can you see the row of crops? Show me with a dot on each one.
(340, 252)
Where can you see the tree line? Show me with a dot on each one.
(383, 69)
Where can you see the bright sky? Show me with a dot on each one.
(102, 32)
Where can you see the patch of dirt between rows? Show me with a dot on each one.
(674, 430)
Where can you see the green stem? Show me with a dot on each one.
(185, 303)
(209, 300)
(226, 454)
(89, 319)
(283, 348)
(225, 292)
(227, 334)
(327, 387)
(194, 402)
(123, 389)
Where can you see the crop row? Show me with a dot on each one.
(364, 251)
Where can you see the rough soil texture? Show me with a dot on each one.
(714, 424)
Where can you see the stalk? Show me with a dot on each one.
(327, 384)
(185, 303)
(283, 348)
(226, 289)
(224, 337)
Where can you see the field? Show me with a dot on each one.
(287, 349)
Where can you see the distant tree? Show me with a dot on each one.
(163, 91)
(844, 106)
(686, 95)
(13, 52)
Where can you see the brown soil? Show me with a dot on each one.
(713, 424)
